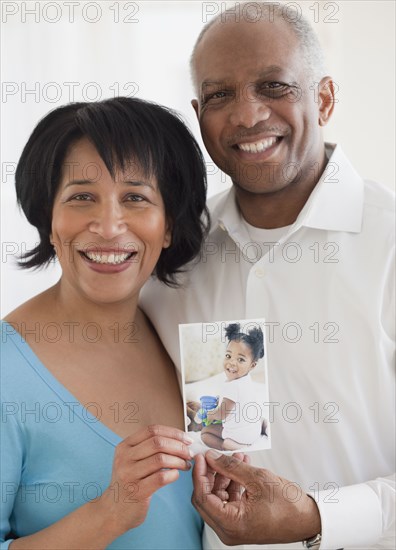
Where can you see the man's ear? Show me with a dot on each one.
(253, 365)
(195, 104)
(326, 99)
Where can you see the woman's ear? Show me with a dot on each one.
(168, 235)
(326, 99)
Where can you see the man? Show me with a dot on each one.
(303, 241)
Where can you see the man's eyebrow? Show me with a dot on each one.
(226, 81)
(270, 70)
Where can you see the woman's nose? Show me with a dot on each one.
(109, 220)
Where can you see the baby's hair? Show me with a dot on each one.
(254, 338)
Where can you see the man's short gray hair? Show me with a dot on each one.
(267, 11)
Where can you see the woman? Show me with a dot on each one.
(93, 452)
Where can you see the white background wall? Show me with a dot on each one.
(54, 52)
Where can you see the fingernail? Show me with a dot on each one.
(187, 439)
(213, 454)
(191, 453)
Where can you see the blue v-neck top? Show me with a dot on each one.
(56, 456)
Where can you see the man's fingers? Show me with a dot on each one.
(203, 477)
(210, 503)
(246, 459)
(235, 489)
(231, 467)
(200, 469)
(220, 483)
(214, 511)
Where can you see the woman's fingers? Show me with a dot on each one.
(156, 440)
(160, 461)
(155, 449)
(147, 486)
(157, 430)
(157, 445)
(143, 463)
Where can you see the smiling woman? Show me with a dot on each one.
(117, 191)
(102, 226)
(133, 139)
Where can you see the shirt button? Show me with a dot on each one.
(259, 272)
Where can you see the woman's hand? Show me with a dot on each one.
(143, 463)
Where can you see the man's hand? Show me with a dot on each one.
(248, 505)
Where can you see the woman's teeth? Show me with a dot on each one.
(112, 258)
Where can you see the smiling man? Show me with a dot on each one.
(258, 115)
(302, 240)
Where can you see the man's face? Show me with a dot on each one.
(259, 119)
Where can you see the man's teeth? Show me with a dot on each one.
(258, 146)
(111, 258)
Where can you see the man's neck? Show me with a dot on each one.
(278, 209)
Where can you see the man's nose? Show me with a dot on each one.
(249, 108)
(109, 221)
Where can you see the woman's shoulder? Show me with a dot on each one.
(19, 328)
(15, 368)
(34, 308)
(28, 320)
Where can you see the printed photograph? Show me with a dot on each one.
(225, 385)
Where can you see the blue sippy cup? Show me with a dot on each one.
(208, 403)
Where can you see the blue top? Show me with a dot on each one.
(56, 456)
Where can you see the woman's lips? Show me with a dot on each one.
(108, 261)
(112, 257)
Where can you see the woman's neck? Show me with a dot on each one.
(87, 318)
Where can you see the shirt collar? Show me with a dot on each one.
(335, 204)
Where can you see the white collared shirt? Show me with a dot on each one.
(326, 290)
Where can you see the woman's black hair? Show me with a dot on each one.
(122, 130)
(254, 338)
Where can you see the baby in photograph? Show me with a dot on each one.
(231, 422)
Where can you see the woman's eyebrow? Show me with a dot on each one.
(131, 183)
(139, 183)
(78, 182)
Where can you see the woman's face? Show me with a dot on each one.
(238, 360)
(108, 234)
